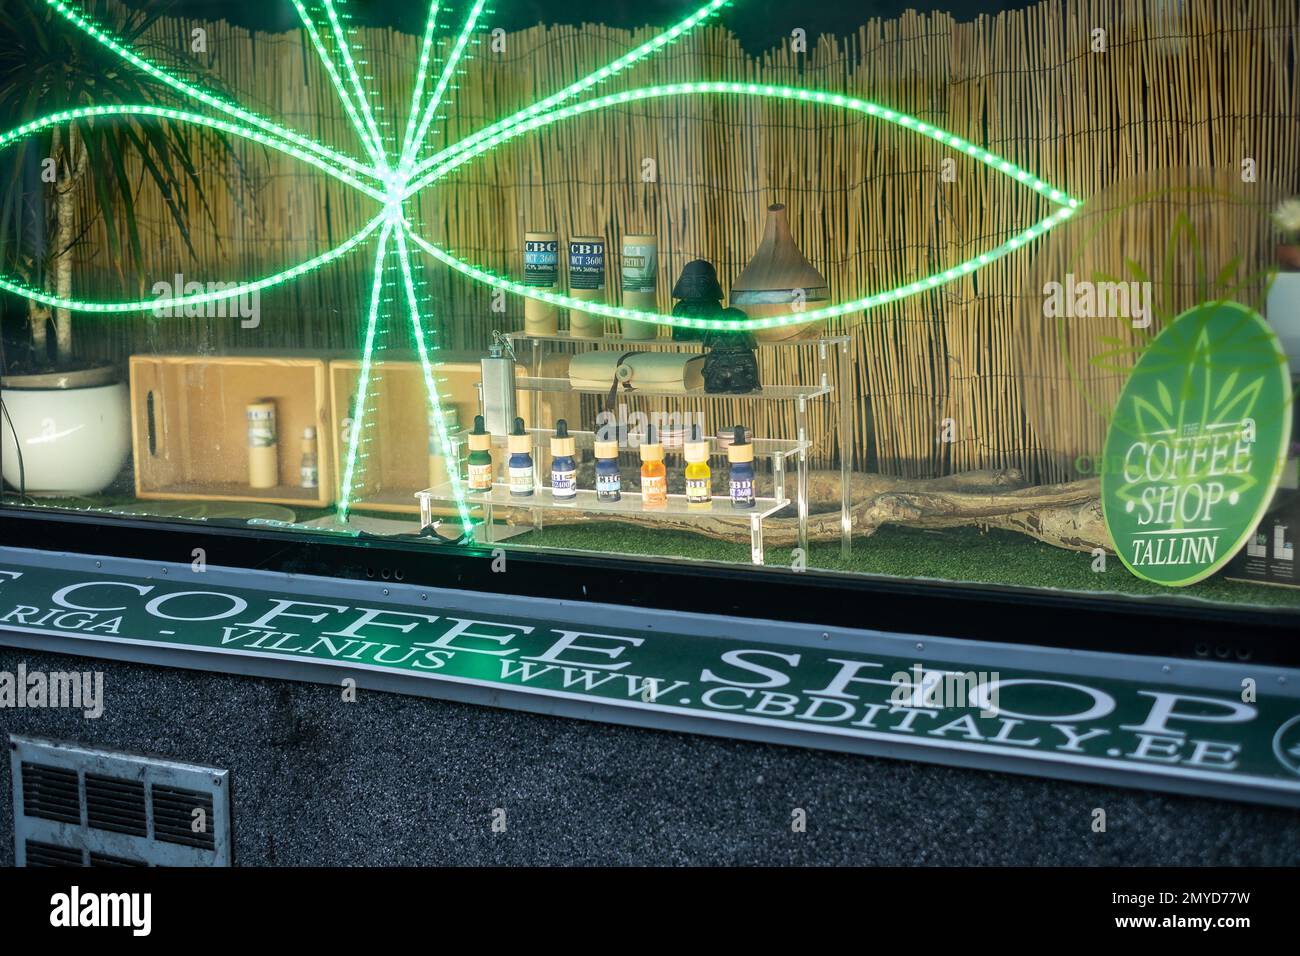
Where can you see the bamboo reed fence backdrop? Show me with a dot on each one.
(970, 376)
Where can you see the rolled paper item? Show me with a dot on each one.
(584, 324)
(635, 329)
(587, 283)
(309, 468)
(779, 281)
(640, 262)
(541, 271)
(263, 446)
(658, 370)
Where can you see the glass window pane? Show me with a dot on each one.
(972, 295)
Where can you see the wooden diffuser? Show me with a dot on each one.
(777, 278)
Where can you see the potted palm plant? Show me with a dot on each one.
(65, 427)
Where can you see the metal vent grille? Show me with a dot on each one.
(116, 805)
(50, 854)
(174, 816)
(103, 859)
(74, 806)
(51, 794)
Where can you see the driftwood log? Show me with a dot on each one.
(1065, 515)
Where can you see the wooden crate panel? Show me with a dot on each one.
(190, 431)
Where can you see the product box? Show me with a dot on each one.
(1269, 556)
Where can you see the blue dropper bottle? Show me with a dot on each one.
(520, 466)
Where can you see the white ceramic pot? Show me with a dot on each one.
(73, 431)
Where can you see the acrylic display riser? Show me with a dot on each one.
(777, 451)
(676, 509)
(532, 350)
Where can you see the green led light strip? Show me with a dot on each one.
(396, 187)
(430, 381)
(462, 154)
(1049, 192)
(183, 116)
(363, 384)
(309, 26)
(197, 298)
(448, 70)
(208, 99)
(421, 74)
(651, 46)
(345, 50)
(863, 304)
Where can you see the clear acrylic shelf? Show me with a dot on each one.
(832, 351)
(763, 447)
(676, 509)
(564, 336)
(768, 393)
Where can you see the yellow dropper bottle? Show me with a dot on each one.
(699, 477)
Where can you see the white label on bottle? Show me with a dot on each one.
(521, 481)
(541, 262)
(480, 477)
(310, 476)
(654, 490)
(742, 491)
(609, 487)
(564, 484)
(261, 427)
(698, 491)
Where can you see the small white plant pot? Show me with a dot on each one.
(61, 437)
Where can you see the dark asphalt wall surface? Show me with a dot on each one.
(408, 781)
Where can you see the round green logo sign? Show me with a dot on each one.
(1197, 444)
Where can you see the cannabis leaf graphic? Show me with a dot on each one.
(391, 178)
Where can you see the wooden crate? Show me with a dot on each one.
(190, 431)
(398, 464)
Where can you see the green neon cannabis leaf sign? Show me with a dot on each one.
(390, 179)
(1197, 444)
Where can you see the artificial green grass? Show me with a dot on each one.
(964, 555)
(956, 554)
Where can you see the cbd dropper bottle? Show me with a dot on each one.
(740, 453)
(699, 477)
(609, 483)
(654, 477)
(564, 470)
(480, 458)
(521, 461)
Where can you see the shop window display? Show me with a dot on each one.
(911, 298)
